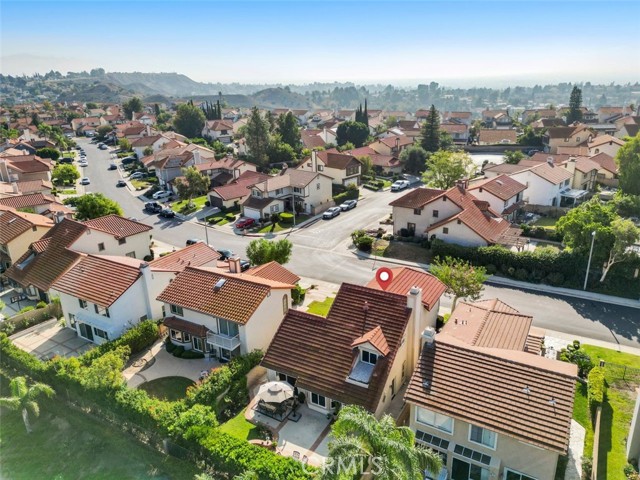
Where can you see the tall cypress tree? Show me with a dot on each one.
(431, 131)
(365, 114)
(575, 102)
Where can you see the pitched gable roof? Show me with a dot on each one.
(274, 271)
(503, 186)
(338, 161)
(606, 162)
(14, 223)
(416, 198)
(375, 337)
(117, 226)
(404, 278)
(240, 186)
(552, 174)
(497, 136)
(195, 255)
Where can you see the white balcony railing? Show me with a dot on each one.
(223, 341)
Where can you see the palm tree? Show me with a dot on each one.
(386, 450)
(23, 398)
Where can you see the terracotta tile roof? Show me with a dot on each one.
(226, 163)
(401, 141)
(274, 271)
(376, 338)
(493, 113)
(196, 255)
(541, 157)
(404, 278)
(33, 186)
(507, 168)
(240, 187)
(186, 326)
(573, 151)
(117, 226)
(236, 300)
(416, 198)
(219, 125)
(99, 279)
(14, 223)
(318, 351)
(338, 161)
(534, 341)
(28, 200)
(145, 141)
(552, 174)
(258, 203)
(606, 162)
(388, 161)
(604, 139)
(408, 125)
(28, 163)
(585, 164)
(488, 387)
(311, 140)
(453, 127)
(497, 136)
(503, 186)
(457, 115)
(52, 257)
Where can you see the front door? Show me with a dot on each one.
(411, 227)
(86, 331)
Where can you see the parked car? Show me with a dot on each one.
(225, 254)
(153, 207)
(167, 213)
(245, 265)
(103, 147)
(121, 183)
(85, 181)
(348, 205)
(65, 160)
(193, 241)
(331, 212)
(112, 166)
(136, 175)
(128, 160)
(245, 223)
(161, 194)
(83, 163)
(399, 185)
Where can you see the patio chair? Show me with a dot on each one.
(296, 455)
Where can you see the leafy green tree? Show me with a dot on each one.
(189, 120)
(194, 184)
(513, 156)
(156, 110)
(124, 144)
(280, 152)
(65, 174)
(627, 205)
(105, 371)
(346, 147)
(354, 132)
(462, 279)
(446, 140)
(8, 133)
(23, 397)
(289, 131)
(575, 103)
(163, 117)
(431, 131)
(391, 121)
(530, 137)
(445, 168)
(92, 106)
(628, 161)
(93, 205)
(148, 151)
(48, 152)
(263, 251)
(257, 137)
(45, 130)
(103, 131)
(271, 120)
(131, 106)
(360, 441)
(367, 165)
(414, 159)
(625, 234)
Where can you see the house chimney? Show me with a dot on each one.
(550, 161)
(234, 265)
(147, 280)
(414, 302)
(462, 184)
(59, 217)
(148, 130)
(283, 171)
(428, 336)
(14, 188)
(196, 157)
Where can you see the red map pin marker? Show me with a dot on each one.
(384, 276)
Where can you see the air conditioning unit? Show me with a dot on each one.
(428, 335)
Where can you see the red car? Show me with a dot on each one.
(245, 223)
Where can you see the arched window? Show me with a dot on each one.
(285, 304)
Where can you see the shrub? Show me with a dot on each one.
(369, 186)
(26, 309)
(491, 269)
(587, 468)
(297, 295)
(207, 203)
(192, 354)
(364, 243)
(595, 388)
(579, 358)
(41, 304)
(230, 216)
(350, 193)
(556, 279)
(137, 339)
(286, 217)
(522, 274)
(169, 345)
(178, 351)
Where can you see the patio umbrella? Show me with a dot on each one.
(275, 392)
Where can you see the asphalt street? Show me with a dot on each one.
(323, 250)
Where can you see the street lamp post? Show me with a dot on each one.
(586, 277)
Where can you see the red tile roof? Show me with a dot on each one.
(219, 125)
(338, 161)
(375, 337)
(454, 127)
(186, 326)
(384, 161)
(14, 223)
(551, 173)
(585, 165)
(395, 140)
(28, 200)
(318, 351)
(503, 186)
(99, 279)
(117, 226)
(606, 162)
(416, 198)
(146, 141)
(274, 271)
(404, 278)
(497, 136)
(240, 186)
(195, 255)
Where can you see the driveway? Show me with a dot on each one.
(49, 339)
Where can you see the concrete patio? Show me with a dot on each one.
(49, 339)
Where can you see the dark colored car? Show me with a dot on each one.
(112, 166)
(128, 160)
(167, 213)
(225, 254)
(245, 265)
(193, 241)
(245, 223)
(121, 183)
(65, 160)
(153, 207)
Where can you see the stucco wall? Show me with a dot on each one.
(88, 243)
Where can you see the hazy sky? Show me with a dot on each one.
(459, 42)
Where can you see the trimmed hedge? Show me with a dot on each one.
(137, 339)
(595, 388)
(370, 186)
(286, 217)
(349, 194)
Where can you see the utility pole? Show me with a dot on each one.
(586, 277)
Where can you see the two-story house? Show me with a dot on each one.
(571, 136)
(459, 131)
(454, 216)
(503, 193)
(391, 145)
(604, 144)
(224, 314)
(155, 142)
(61, 247)
(360, 354)
(343, 169)
(495, 137)
(223, 171)
(103, 296)
(545, 183)
(169, 162)
(234, 193)
(24, 168)
(17, 231)
(585, 172)
(608, 171)
(497, 119)
(304, 192)
(218, 130)
(40, 203)
(486, 401)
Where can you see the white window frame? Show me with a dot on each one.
(511, 470)
(324, 400)
(437, 425)
(495, 437)
(176, 335)
(369, 355)
(176, 310)
(96, 330)
(199, 340)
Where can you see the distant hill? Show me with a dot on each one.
(280, 98)
(97, 91)
(170, 84)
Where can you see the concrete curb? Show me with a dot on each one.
(536, 287)
(286, 232)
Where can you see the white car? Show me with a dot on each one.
(399, 185)
(83, 163)
(161, 194)
(85, 181)
(136, 175)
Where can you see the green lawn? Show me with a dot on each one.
(277, 227)
(545, 222)
(68, 445)
(167, 388)
(68, 191)
(321, 308)
(240, 428)
(409, 251)
(582, 415)
(617, 409)
(197, 201)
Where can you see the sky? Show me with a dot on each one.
(484, 43)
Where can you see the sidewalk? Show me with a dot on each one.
(508, 282)
(230, 228)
